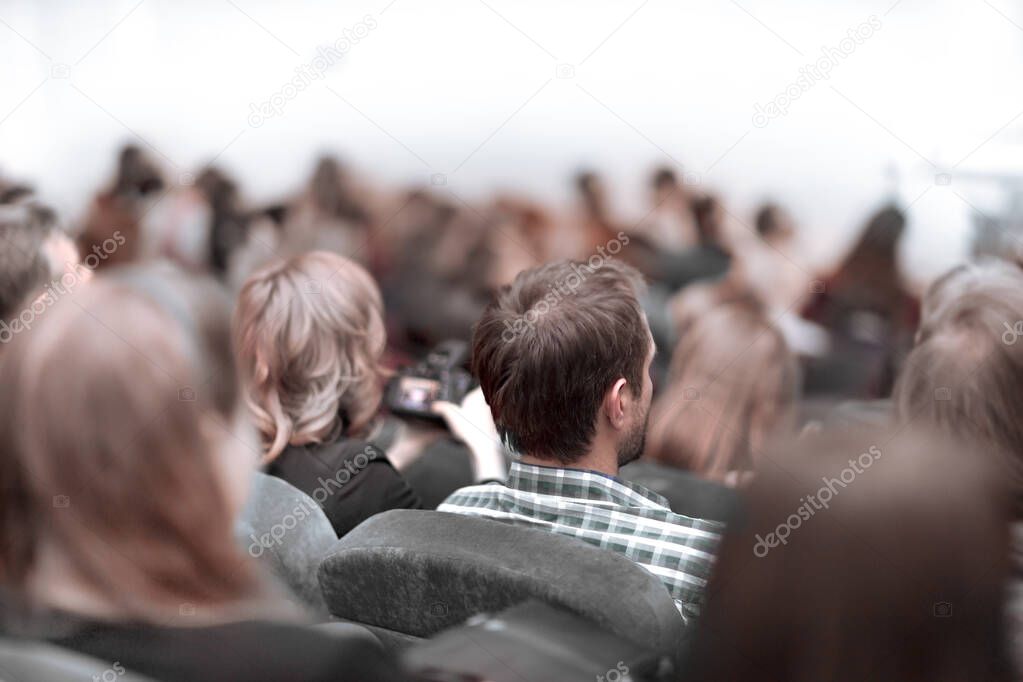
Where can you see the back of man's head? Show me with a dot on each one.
(664, 179)
(551, 345)
(26, 263)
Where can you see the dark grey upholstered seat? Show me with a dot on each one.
(687, 493)
(419, 572)
(534, 642)
(28, 661)
(289, 534)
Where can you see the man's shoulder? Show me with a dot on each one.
(649, 513)
(474, 495)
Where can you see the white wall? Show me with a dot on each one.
(678, 78)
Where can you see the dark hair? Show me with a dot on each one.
(228, 223)
(900, 576)
(770, 220)
(24, 264)
(870, 273)
(965, 376)
(709, 212)
(664, 177)
(136, 174)
(549, 347)
(331, 194)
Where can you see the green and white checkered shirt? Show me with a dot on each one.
(607, 512)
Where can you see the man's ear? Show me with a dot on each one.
(616, 403)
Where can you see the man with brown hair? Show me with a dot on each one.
(563, 357)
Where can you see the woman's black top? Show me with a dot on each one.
(350, 479)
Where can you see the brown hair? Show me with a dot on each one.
(106, 458)
(309, 333)
(551, 345)
(965, 376)
(869, 275)
(731, 387)
(898, 576)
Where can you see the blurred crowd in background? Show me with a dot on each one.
(439, 259)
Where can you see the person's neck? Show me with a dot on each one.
(601, 457)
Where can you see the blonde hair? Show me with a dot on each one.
(731, 387)
(309, 334)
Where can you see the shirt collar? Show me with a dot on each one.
(582, 484)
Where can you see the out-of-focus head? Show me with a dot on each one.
(34, 254)
(872, 262)
(13, 192)
(773, 223)
(731, 389)
(123, 460)
(309, 333)
(326, 183)
(591, 190)
(566, 345)
(965, 375)
(664, 181)
(710, 218)
(843, 570)
(884, 229)
(587, 182)
(995, 277)
(136, 174)
(220, 191)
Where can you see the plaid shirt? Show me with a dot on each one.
(607, 512)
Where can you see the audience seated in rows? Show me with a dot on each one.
(129, 451)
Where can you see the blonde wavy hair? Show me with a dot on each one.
(309, 334)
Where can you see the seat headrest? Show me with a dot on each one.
(419, 572)
(289, 534)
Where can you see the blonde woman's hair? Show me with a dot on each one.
(309, 334)
(731, 388)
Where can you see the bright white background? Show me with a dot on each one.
(468, 88)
